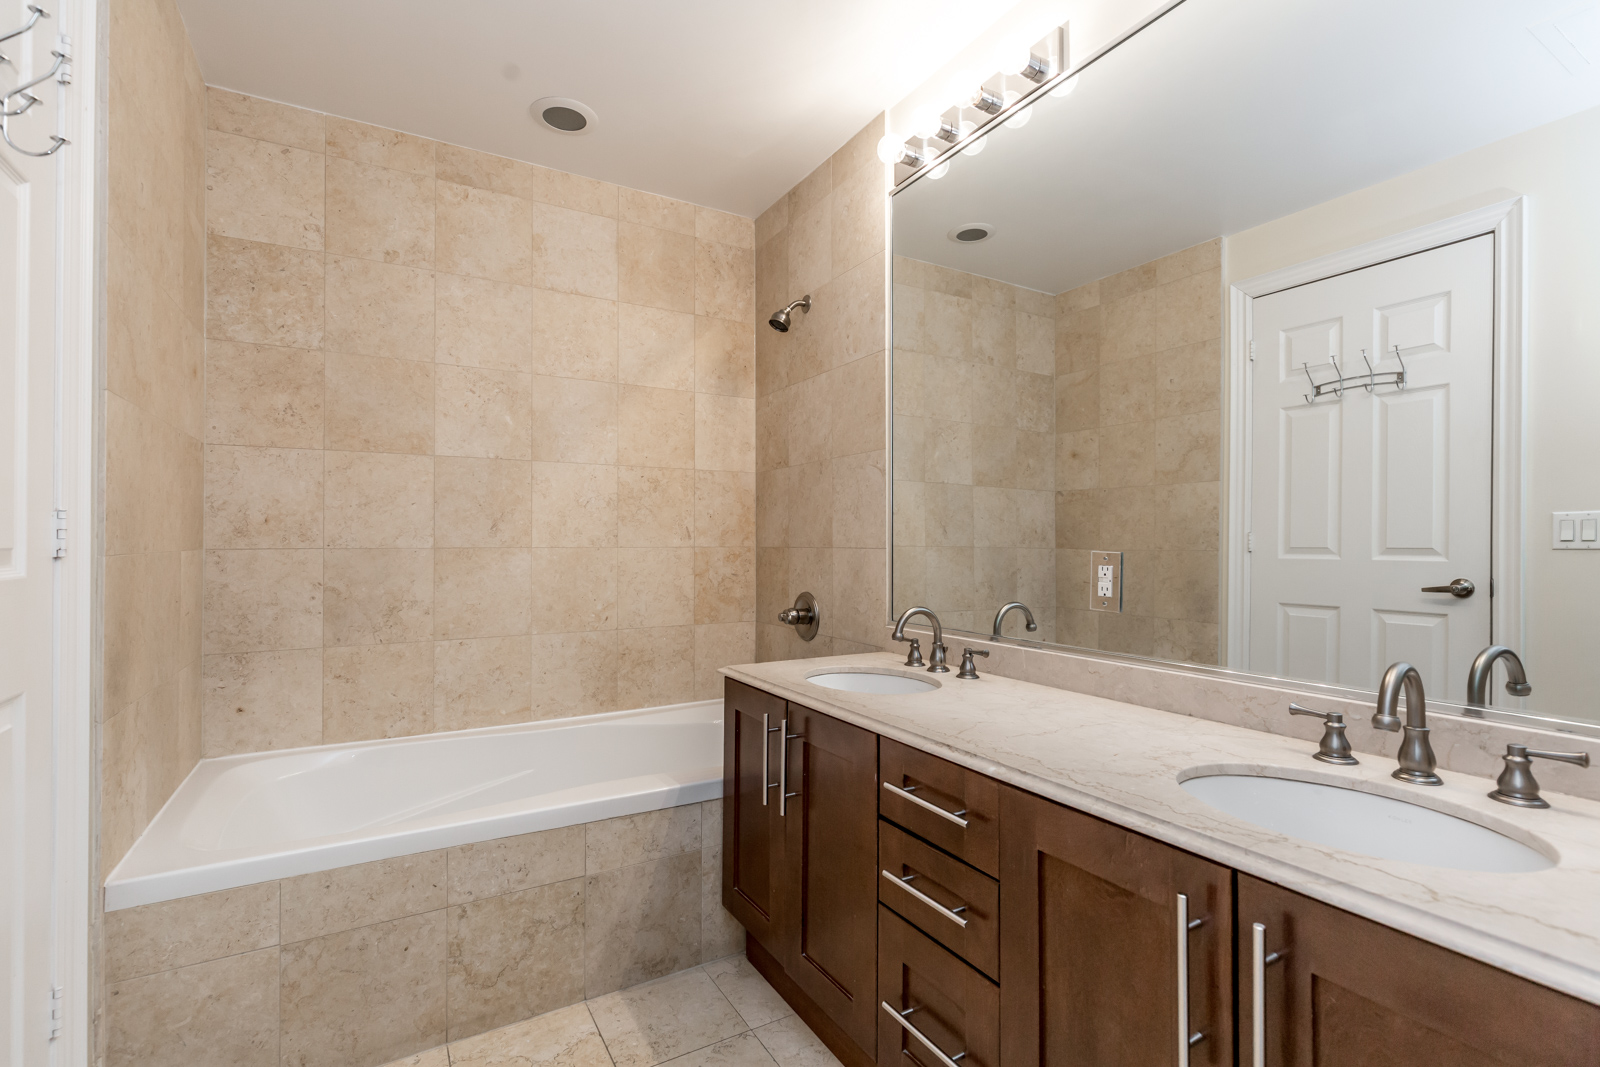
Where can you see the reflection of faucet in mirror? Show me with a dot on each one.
(1416, 753)
(937, 652)
(1482, 673)
(1015, 605)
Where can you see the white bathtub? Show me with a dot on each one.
(238, 820)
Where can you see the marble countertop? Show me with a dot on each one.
(1122, 762)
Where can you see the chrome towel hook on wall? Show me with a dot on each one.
(61, 71)
(1368, 381)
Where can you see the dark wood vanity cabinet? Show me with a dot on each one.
(1111, 943)
(1337, 990)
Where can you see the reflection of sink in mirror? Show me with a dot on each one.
(1365, 823)
(872, 682)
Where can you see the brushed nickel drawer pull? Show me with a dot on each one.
(904, 882)
(1260, 960)
(1186, 1037)
(900, 1017)
(953, 816)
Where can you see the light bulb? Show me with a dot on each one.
(1012, 58)
(976, 146)
(1066, 87)
(939, 172)
(925, 123)
(1020, 119)
(890, 148)
(959, 90)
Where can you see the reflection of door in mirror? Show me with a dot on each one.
(1366, 494)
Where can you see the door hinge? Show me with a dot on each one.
(61, 533)
(1252, 350)
(1250, 541)
(55, 1010)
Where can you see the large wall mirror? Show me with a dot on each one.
(1273, 345)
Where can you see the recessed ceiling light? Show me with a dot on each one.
(563, 114)
(970, 233)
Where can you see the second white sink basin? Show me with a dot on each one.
(872, 682)
(1365, 823)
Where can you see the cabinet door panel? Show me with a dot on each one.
(752, 840)
(830, 825)
(1090, 947)
(951, 1005)
(1348, 992)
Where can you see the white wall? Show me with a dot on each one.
(1558, 168)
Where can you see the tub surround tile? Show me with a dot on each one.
(263, 497)
(262, 599)
(259, 701)
(641, 922)
(374, 691)
(566, 1037)
(378, 309)
(666, 1019)
(654, 666)
(513, 864)
(380, 214)
(224, 1012)
(376, 596)
(483, 323)
(486, 681)
(481, 592)
(345, 898)
(515, 955)
(655, 347)
(348, 139)
(648, 209)
(574, 336)
(259, 395)
(372, 404)
(573, 674)
(265, 120)
(262, 293)
(190, 930)
(377, 500)
(482, 503)
(651, 835)
(259, 191)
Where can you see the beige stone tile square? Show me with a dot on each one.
(566, 1037)
(514, 956)
(812, 188)
(483, 323)
(724, 281)
(810, 240)
(650, 835)
(655, 267)
(373, 691)
(330, 902)
(724, 227)
(487, 681)
(859, 214)
(154, 353)
(858, 501)
(263, 497)
(655, 507)
(1128, 327)
(576, 505)
(264, 120)
(1188, 515)
(655, 427)
(574, 673)
(1191, 260)
(263, 396)
(1127, 391)
(860, 151)
(481, 592)
(665, 1019)
(1132, 635)
(260, 191)
(377, 500)
(725, 508)
(1128, 517)
(1187, 587)
(1188, 448)
(574, 191)
(464, 166)
(724, 585)
(1078, 401)
(483, 234)
(1078, 459)
(1188, 379)
(1185, 642)
(792, 1044)
(655, 347)
(222, 1012)
(858, 406)
(380, 214)
(860, 594)
(648, 209)
(718, 645)
(377, 596)
(724, 357)
(1036, 343)
(349, 139)
(574, 590)
(574, 336)
(190, 930)
(263, 293)
(745, 1050)
(379, 309)
(143, 609)
(655, 587)
(724, 437)
(574, 421)
(755, 1001)
(365, 996)
(772, 222)
(511, 864)
(1189, 310)
(154, 483)
(433, 1057)
(574, 251)
(378, 405)
(262, 599)
(481, 503)
(1128, 283)
(655, 666)
(259, 701)
(483, 413)
(811, 518)
(1127, 455)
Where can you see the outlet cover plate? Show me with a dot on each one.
(1105, 580)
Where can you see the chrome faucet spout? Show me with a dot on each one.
(1481, 675)
(936, 656)
(1417, 762)
(1015, 605)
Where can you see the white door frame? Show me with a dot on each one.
(1507, 221)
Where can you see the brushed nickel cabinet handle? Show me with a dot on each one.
(904, 882)
(953, 816)
(1186, 1037)
(1260, 959)
(900, 1017)
(783, 771)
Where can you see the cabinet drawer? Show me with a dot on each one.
(956, 809)
(911, 872)
(934, 1009)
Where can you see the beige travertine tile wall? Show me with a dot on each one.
(1139, 455)
(479, 437)
(154, 420)
(820, 408)
(366, 964)
(974, 447)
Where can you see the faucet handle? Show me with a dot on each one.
(1517, 786)
(969, 669)
(1335, 746)
(914, 656)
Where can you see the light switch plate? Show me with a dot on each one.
(1105, 580)
(1575, 530)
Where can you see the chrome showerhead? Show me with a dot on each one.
(781, 320)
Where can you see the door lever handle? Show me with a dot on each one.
(1461, 587)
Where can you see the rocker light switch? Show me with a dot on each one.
(1105, 580)
(1575, 530)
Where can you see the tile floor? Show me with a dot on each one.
(722, 1014)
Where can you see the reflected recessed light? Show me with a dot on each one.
(970, 233)
(563, 114)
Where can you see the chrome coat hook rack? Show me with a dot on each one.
(1368, 381)
(35, 13)
(60, 72)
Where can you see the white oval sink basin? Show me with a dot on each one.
(871, 682)
(1365, 823)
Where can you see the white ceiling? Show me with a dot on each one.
(1229, 113)
(726, 103)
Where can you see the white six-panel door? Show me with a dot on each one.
(1359, 501)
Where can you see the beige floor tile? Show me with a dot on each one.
(792, 1044)
(756, 1001)
(663, 1020)
(434, 1057)
(746, 1050)
(566, 1037)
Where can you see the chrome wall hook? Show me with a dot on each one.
(61, 70)
(1369, 381)
(36, 13)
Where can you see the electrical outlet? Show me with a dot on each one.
(1105, 580)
